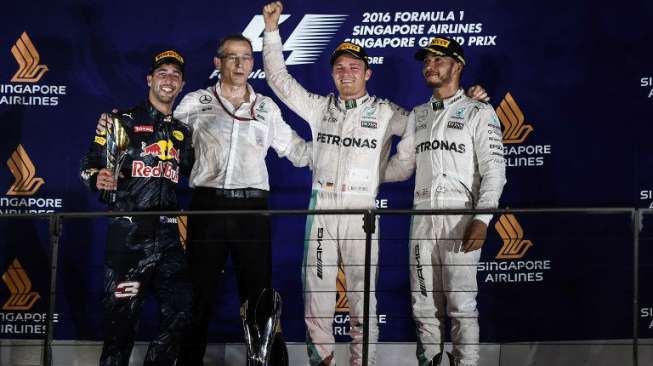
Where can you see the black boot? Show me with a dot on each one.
(437, 359)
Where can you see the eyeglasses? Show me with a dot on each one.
(239, 59)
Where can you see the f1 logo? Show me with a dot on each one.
(127, 289)
(255, 29)
(308, 39)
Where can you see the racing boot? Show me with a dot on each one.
(455, 362)
(437, 359)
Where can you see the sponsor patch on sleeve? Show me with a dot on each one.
(100, 140)
(143, 128)
(178, 135)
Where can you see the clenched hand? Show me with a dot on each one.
(271, 14)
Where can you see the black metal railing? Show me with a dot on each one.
(56, 221)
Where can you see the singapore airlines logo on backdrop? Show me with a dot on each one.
(27, 57)
(24, 88)
(512, 234)
(20, 287)
(512, 118)
(341, 317)
(182, 223)
(21, 166)
(509, 265)
(16, 319)
(515, 132)
(342, 305)
(20, 197)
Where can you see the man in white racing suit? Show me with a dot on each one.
(351, 143)
(454, 144)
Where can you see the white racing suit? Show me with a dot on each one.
(351, 144)
(458, 156)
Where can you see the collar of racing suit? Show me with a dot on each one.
(437, 104)
(155, 114)
(352, 103)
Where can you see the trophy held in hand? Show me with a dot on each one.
(117, 143)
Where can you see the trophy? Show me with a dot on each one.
(262, 328)
(116, 150)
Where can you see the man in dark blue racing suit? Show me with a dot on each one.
(145, 252)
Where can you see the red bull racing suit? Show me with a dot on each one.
(144, 252)
(351, 143)
(455, 148)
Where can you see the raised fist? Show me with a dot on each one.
(271, 14)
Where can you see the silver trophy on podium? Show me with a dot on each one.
(262, 328)
(116, 151)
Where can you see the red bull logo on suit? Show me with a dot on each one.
(164, 150)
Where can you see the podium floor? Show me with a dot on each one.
(585, 353)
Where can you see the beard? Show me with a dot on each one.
(440, 81)
(164, 98)
(434, 84)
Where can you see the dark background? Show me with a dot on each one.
(573, 68)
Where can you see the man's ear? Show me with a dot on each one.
(149, 81)
(217, 62)
(368, 74)
(458, 68)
